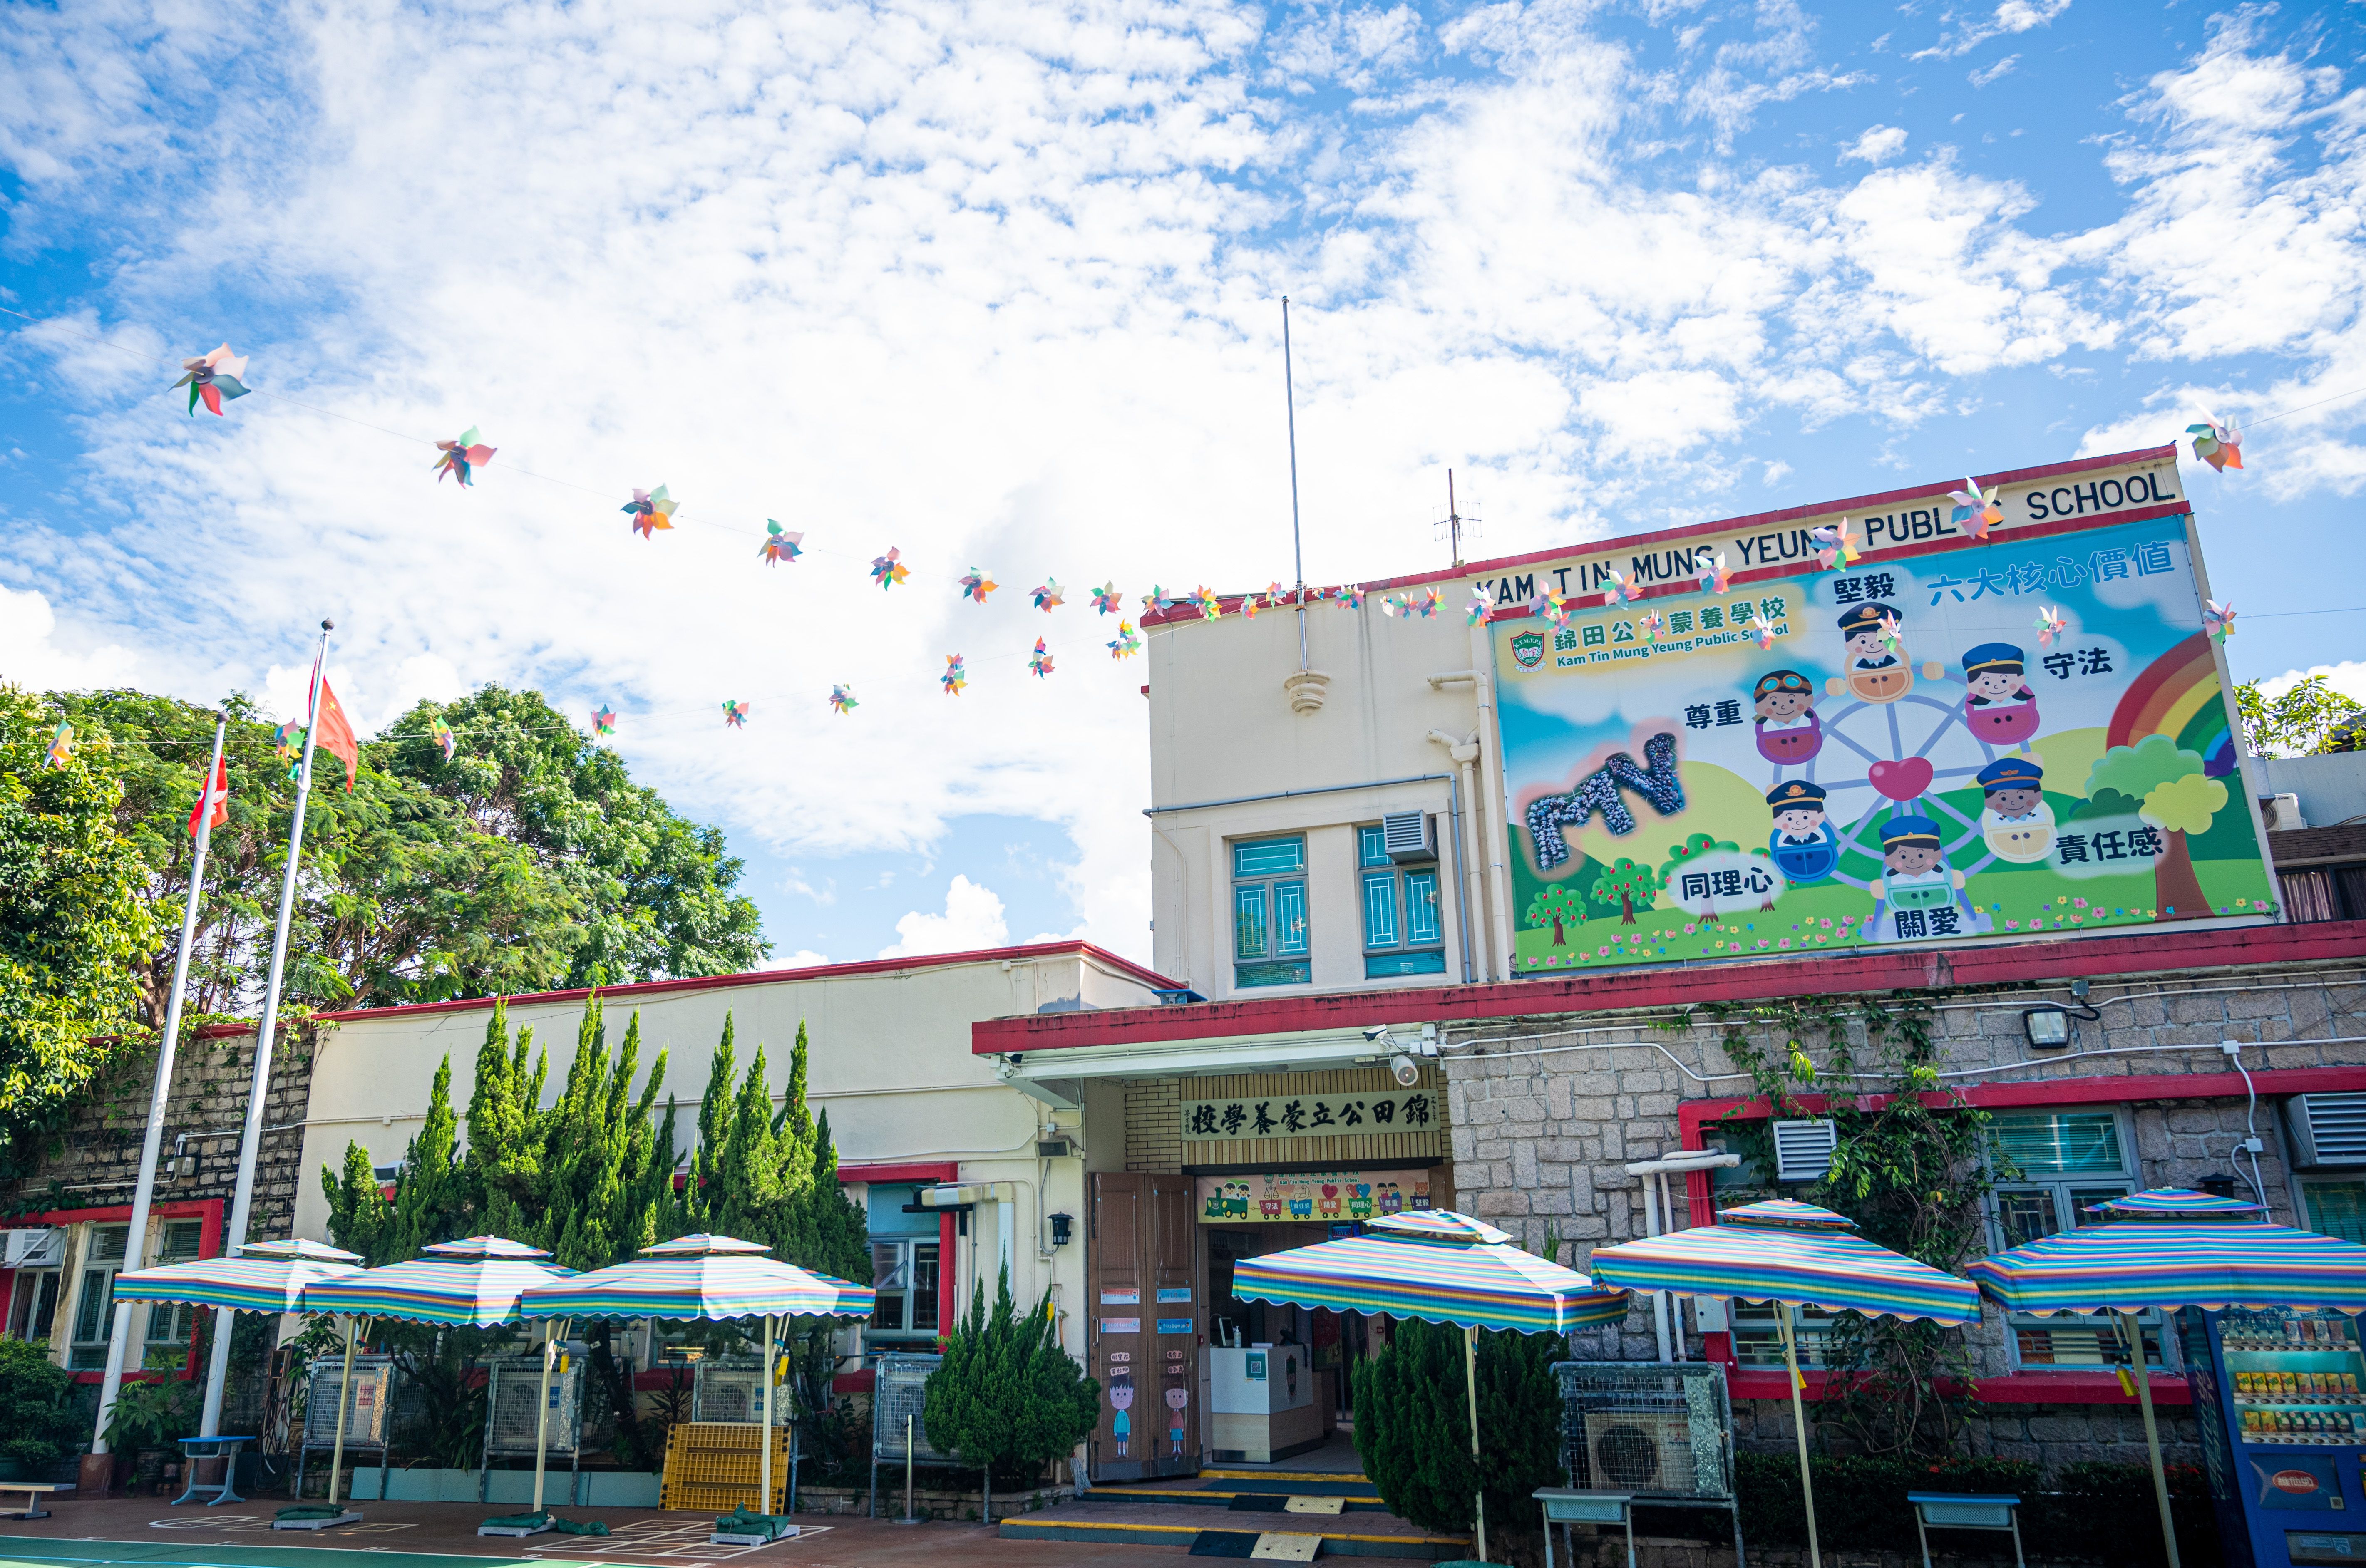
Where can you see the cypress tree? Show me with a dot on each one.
(1413, 1423)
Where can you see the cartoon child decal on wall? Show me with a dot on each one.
(1876, 671)
(1787, 730)
(1177, 1396)
(1921, 896)
(2017, 824)
(1803, 844)
(1120, 1397)
(2000, 708)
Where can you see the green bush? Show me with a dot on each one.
(1413, 1424)
(1007, 1399)
(154, 1414)
(39, 1422)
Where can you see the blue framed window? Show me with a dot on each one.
(1269, 937)
(1403, 933)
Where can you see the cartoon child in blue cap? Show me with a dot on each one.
(2016, 824)
(1918, 892)
(1802, 842)
(1997, 703)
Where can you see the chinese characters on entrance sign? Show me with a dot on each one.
(1308, 1115)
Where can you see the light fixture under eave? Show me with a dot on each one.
(2048, 1028)
(1404, 1069)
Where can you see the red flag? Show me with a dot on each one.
(213, 803)
(336, 735)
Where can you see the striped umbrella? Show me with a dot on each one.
(262, 1276)
(1791, 1254)
(712, 1277)
(2169, 1248)
(1440, 1266)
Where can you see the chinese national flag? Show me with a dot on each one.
(213, 802)
(336, 734)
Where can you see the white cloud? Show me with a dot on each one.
(973, 919)
(1996, 73)
(1876, 146)
(2348, 678)
(2012, 17)
(804, 958)
(31, 655)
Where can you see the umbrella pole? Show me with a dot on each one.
(2152, 1432)
(765, 1438)
(344, 1402)
(1799, 1425)
(1470, 1385)
(542, 1412)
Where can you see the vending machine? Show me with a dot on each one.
(2280, 1397)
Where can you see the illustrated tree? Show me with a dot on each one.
(1558, 907)
(2309, 718)
(1627, 885)
(1693, 848)
(2174, 794)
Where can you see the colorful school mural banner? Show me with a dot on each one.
(2027, 735)
(1311, 1195)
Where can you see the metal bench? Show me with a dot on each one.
(34, 1492)
(223, 1449)
(1965, 1511)
(1566, 1506)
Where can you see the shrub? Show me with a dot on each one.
(1413, 1424)
(1007, 1399)
(154, 1414)
(39, 1423)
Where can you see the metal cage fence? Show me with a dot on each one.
(512, 1422)
(1660, 1430)
(731, 1388)
(898, 1404)
(369, 1405)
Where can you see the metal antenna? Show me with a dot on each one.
(1297, 545)
(1457, 525)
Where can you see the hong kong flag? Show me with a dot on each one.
(213, 802)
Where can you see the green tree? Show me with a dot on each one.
(1413, 1424)
(2309, 718)
(2174, 794)
(39, 1423)
(1627, 885)
(1007, 1400)
(74, 927)
(1560, 907)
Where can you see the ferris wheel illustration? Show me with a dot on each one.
(1878, 758)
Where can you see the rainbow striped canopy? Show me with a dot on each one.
(2132, 1265)
(264, 1276)
(472, 1284)
(1782, 1250)
(1432, 1263)
(2181, 1202)
(710, 1277)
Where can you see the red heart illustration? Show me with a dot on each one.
(1903, 780)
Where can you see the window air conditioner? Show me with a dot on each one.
(39, 1249)
(2328, 1129)
(1409, 835)
(1803, 1150)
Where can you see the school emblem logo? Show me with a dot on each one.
(1529, 649)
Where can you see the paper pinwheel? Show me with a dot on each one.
(1975, 508)
(288, 740)
(1250, 607)
(1047, 595)
(216, 378)
(60, 746)
(461, 457)
(1713, 577)
(1766, 634)
(2050, 625)
(1390, 604)
(1156, 600)
(604, 721)
(1891, 627)
(977, 585)
(1209, 605)
(1620, 587)
(2218, 619)
(1432, 601)
(1040, 660)
(841, 699)
(1107, 600)
(1838, 545)
(955, 676)
(440, 733)
(2220, 445)
(1127, 644)
(889, 569)
(778, 543)
(1351, 596)
(1653, 624)
(1274, 595)
(1477, 611)
(734, 714)
(650, 510)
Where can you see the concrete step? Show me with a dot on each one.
(1142, 1526)
(1237, 1495)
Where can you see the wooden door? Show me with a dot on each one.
(1170, 1241)
(1142, 1335)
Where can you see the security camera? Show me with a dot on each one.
(1376, 1031)
(1404, 1069)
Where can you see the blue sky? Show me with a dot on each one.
(1000, 285)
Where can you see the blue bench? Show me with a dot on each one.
(1566, 1506)
(223, 1449)
(1965, 1511)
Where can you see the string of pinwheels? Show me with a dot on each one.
(218, 378)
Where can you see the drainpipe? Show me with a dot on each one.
(1464, 753)
(1499, 891)
(1655, 1174)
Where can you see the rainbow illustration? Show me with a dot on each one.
(2177, 696)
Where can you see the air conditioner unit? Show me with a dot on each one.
(1639, 1450)
(1803, 1150)
(1409, 835)
(2328, 1129)
(36, 1248)
(2281, 812)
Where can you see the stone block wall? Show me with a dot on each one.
(1544, 1114)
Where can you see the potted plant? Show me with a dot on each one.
(150, 1416)
(38, 1423)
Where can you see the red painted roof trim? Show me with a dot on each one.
(1149, 977)
(1759, 519)
(918, 1170)
(2042, 961)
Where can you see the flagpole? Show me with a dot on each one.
(135, 1245)
(243, 1195)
